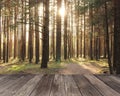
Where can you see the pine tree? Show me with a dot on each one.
(36, 33)
(58, 34)
(116, 61)
(45, 36)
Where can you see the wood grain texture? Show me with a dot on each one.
(86, 88)
(59, 85)
(111, 81)
(104, 89)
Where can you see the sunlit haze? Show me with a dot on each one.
(62, 11)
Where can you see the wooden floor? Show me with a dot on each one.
(59, 85)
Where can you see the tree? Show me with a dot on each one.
(116, 58)
(45, 35)
(91, 31)
(65, 32)
(84, 50)
(77, 28)
(4, 40)
(15, 33)
(0, 30)
(36, 33)
(30, 33)
(107, 39)
(58, 34)
(54, 29)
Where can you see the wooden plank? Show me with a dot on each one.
(115, 78)
(43, 88)
(71, 87)
(5, 79)
(58, 86)
(111, 81)
(101, 86)
(2, 78)
(11, 81)
(11, 90)
(29, 86)
(85, 87)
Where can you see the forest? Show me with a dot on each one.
(37, 31)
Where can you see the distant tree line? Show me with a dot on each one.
(36, 30)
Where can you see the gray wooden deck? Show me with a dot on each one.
(59, 85)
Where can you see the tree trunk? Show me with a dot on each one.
(77, 28)
(4, 41)
(7, 44)
(91, 33)
(65, 32)
(15, 34)
(0, 31)
(53, 33)
(58, 34)
(45, 36)
(116, 59)
(36, 34)
(81, 38)
(84, 50)
(30, 35)
(107, 40)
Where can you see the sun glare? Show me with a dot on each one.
(62, 11)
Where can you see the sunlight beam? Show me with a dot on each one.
(62, 11)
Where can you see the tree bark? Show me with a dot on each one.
(45, 36)
(116, 59)
(107, 40)
(65, 32)
(58, 34)
(36, 34)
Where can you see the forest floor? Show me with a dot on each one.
(72, 66)
(83, 66)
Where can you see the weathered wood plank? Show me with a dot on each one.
(115, 78)
(43, 88)
(2, 78)
(29, 86)
(6, 78)
(9, 83)
(70, 86)
(85, 87)
(111, 81)
(58, 86)
(11, 90)
(101, 86)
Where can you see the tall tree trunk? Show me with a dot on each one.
(45, 36)
(30, 34)
(77, 28)
(4, 40)
(81, 38)
(0, 31)
(53, 33)
(15, 34)
(58, 34)
(91, 33)
(36, 34)
(24, 30)
(65, 32)
(116, 59)
(7, 44)
(107, 39)
(10, 38)
(84, 54)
